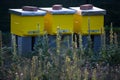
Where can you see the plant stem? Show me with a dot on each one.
(14, 45)
(111, 35)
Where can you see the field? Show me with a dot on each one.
(63, 63)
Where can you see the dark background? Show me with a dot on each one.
(111, 6)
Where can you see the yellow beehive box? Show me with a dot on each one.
(27, 23)
(62, 18)
(89, 21)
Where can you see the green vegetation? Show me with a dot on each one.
(63, 63)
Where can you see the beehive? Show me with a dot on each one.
(27, 23)
(89, 20)
(62, 18)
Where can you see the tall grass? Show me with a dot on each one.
(63, 63)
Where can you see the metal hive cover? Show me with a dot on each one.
(27, 13)
(60, 11)
(93, 11)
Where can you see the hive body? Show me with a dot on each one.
(59, 18)
(65, 22)
(89, 21)
(27, 23)
(81, 24)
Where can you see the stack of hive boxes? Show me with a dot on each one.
(26, 23)
(89, 20)
(30, 22)
(58, 16)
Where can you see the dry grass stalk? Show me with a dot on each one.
(58, 40)
(45, 37)
(75, 43)
(16, 76)
(14, 45)
(76, 69)
(80, 44)
(40, 70)
(115, 40)
(20, 73)
(33, 67)
(73, 71)
(26, 71)
(89, 38)
(103, 39)
(89, 26)
(68, 67)
(86, 74)
(72, 39)
(68, 41)
(94, 77)
(38, 27)
(79, 74)
(111, 35)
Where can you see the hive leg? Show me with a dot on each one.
(24, 45)
(97, 43)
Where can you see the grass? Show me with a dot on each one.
(63, 63)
